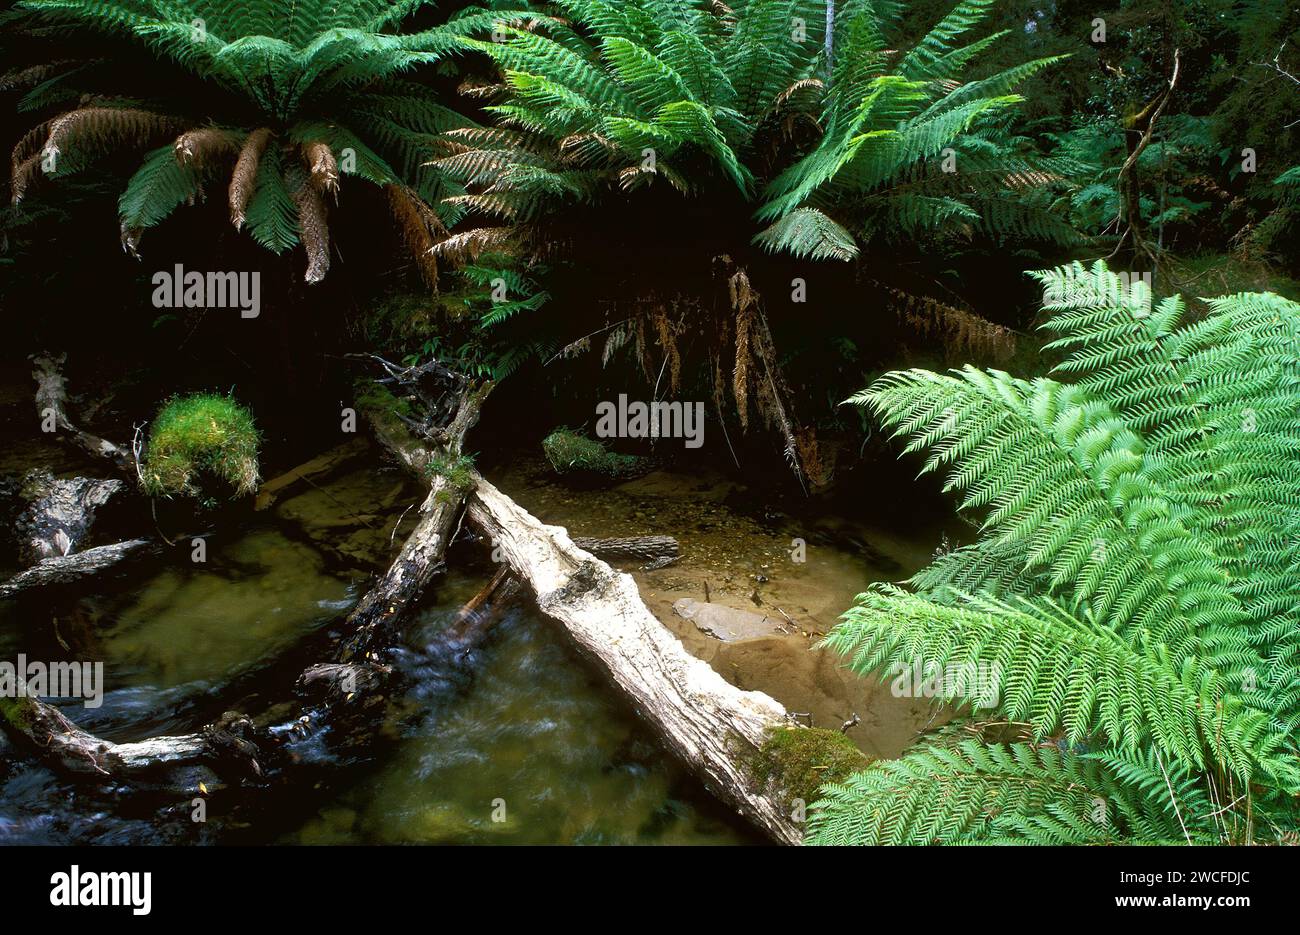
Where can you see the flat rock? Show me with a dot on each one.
(727, 623)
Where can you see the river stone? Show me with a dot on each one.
(726, 623)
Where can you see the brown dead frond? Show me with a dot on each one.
(643, 358)
(324, 168)
(492, 204)
(420, 226)
(205, 146)
(666, 329)
(961, 333)
(314, 226)
(579, 148)
(482, 90)
(740, 372)
(101, 129)
(803, 84)
(468, 246)
(574, 348)
(32, 75)
(615, 341)
(244, 177)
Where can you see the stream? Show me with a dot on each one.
(519, 743)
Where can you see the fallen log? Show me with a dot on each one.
(356, 670)
(322, 464)
(60, 569)
(178, 762)
(59, 514)
(51, 410)
(713, 727)
(484, 610)
(657, 551)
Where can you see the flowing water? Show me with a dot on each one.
(521, 742)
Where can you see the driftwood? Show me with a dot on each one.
(60, 569)
(51, 410)
(60, 513)
(712, 726)
(270, 491)
(657, 551)
(178, 762)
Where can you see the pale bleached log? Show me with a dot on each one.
(712, 726)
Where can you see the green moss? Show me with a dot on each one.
(568, 451)
(459, 472)
(17, 711)
(203, 434)
(801, 760)
(372, 396)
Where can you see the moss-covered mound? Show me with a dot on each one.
(570, 452)
(803, 759)
(194, 436)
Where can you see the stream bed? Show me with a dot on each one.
(519, 743)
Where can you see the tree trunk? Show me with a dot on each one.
(712, 726)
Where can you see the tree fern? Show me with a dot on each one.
(301, 74)
(1132, 587)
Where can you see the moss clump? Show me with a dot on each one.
(458, 471)
(802, 759)
(568, 451)
(201, 434)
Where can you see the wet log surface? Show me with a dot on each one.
(712, 726)
(62, 569)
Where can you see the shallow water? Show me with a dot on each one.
(519, 743)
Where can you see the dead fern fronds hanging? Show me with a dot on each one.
(420, 225)
(324, 168)
(205, 146)
(313, 223)
(468, 246)
(244, 178)
(740, 372)
(961, 333)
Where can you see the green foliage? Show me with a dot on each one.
(1132, 585)
(473, 324)
(700, 96)
(203, 434)
(308, 73)
(568, 451)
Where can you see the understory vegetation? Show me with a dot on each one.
(1048, 250)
